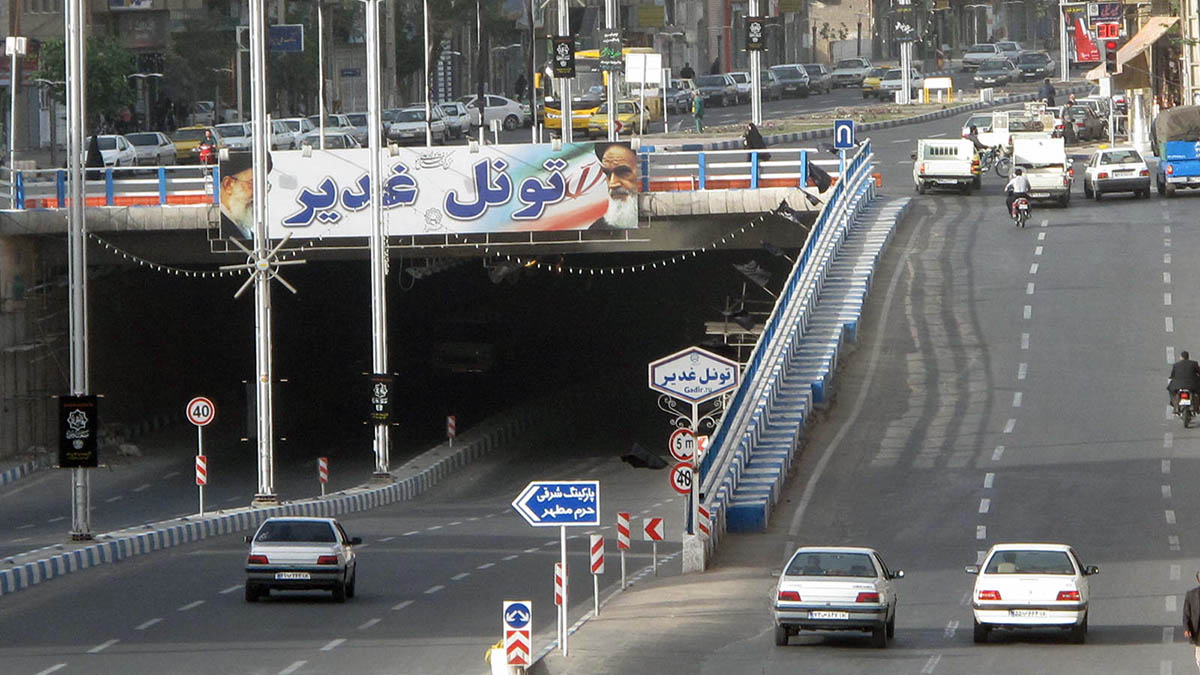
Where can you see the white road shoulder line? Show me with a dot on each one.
(332, 644)
(102, 646)
(53, 669)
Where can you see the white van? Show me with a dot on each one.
(945, 163)
(1045, 163)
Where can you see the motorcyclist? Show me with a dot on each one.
(1018, 186)
(1185, 374)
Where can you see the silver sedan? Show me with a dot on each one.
(301, 554)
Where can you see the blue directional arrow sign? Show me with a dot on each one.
(560, 503)
(843, 134)
(517, 614)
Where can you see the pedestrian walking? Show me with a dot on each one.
(752, 139)
(698, 112)
(687, 73)
(1191, 618)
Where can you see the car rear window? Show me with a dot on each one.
(1121, 157)
(711, 81)
(831, 564)
(107, 143)
(813, 70)
(1030, 562)
(849, 63)
(982, 49)
(786, 72)
(143, 139)
(297, 531)
(189, 135)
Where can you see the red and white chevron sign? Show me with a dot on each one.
(622, 531)
(653, 530)
(516, 647)
(559, 582)
(518, 627)
(597, 554)
(451, 426)
(201, 469)
(323, 469)
(704, 521)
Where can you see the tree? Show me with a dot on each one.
(445, 16)
(108, 65)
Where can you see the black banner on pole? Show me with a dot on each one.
(78, 429)
(903, 23)
(756, 28)
(564, 56)
(612, 58)
(381, 399)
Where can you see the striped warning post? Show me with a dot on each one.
(704, 521)
(516, 647)
(559, 582)
(201, 469)
(451, 427)
(597, 554)
(622, 531)
(323, 469)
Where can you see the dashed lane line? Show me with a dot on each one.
(1033, 269)
(985, 505)
(1167, 299)
(231, 589)
(1173, 542)
(1169, 324)
(1169, 604)
(1174, 573)
(1016, 399)
(53, 669)
(1022, 370)
(484, 566)
(102, 646)
(433, 589)
(293, 668)
(997, 453)
(1037, 251)
(26, 526)
(1028, 312)
(1170, 351)
(1166, 466)
(370, 623)
(190, 605)
(1166, 491)
(170, 475)
(1166, 277)
(332, 644)
(386, 539)
(1010, 425)
(1029, 288)
(431, 528)
(147, 624)
(58, 519)
(1024, 340)
(143, 486)
(1041, 236)
(1166, 258)
(981, 531)
(1169, 514)
(460, 577)
(510, 557)
(399, 606)
(411, 533)
(989, 479)
(931, 664)
(114, 499)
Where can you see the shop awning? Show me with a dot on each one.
(1149, 33)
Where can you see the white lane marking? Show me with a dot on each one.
(170, 475)
(493, 515)
(1170, 355)
(457, 522)
(472, 519)
(981, 531)
(114, 499)
(1010, 425)
(1169, 514)
(332, 644)
(385, 539)
(1167, 299)
(293, 668)
(1173, 575)
(531, 550)
(1167, 242)
(433, 527)
(1166, 258)
(1166, 491)
(931, 664)
(1170, 324)
(17, 541)
(1022, 370)
(53, 669)
(1168, 441)
(979, 555)
(951, 629)
(55, 520)
(484, 566)
(1028, 312)
(1045, 222)
(1024, 340)
(402, 605)
(985, 505)
(966, 596)
(1166, 465)
(1033, 268)
(232, 499)
(935, 135)
(26, 526)
(510, 557)
(1169, 604)
(1168, 636)
(1029, 288)
(1041, 236)
(141, 487)
(1038, 250)
(102, 646)
(409, 534)
(370, 623)
(1166, 277)
(190, 605)
(997, 453)
(1173, 542)
(147, 624)
(433, 589)
(552, 542)
(1166, 229)
(1016, 399)
(460, 577)
(902, 140)
(989, 479)
(231, 589)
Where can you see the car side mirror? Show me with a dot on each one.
(248, 538)
(1090, 570)
(898, 574)
(914, 156)
(971, 569)
(355, 541)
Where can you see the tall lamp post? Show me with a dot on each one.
(143, 95)
(217, 95)
(53, 116)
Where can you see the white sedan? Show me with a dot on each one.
(836, 588)
(408, 126)
(508, 111)
(115, 149)
(297, 553)
(153, 148)
(1031, 586)
(1116, 170)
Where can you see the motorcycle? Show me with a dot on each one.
(995, 158)
(1184, 406)
(1020, 211)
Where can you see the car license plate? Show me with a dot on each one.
(1039, 195)
(1185, 401)
(828, 615)
(947, 181)
(292, 575)
(1193, 179)
(1028, 613)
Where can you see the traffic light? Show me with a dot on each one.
(1110, 56)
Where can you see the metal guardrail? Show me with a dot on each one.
(732, 427)
(183, 185)
(675, 170)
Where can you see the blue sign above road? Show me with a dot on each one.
(843, 134)
(558, 503)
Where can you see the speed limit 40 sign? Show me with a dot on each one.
(201, 411)
(681, 477)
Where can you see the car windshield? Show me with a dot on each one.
(813, 70)
(358, 120)
(711, 81)
(1034, 58)
(232, 130)
(409, 116)
(849, 63)
(830, 564)
(1007, 46)
(981, 122)
(740, 78)
(982, 49)
(786, 72)
(893, 75)
(877, 72)
(107, 143)
(189, 134)
(296, 530)
(143, 139)
(1030, 562)
(994, 66)
(1121, 157)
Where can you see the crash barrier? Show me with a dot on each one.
(689, 170)
(186, 185)
(766, 415)
(41, 461)
(413, 478)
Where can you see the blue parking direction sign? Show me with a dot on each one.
(843, 134)
(560, 503)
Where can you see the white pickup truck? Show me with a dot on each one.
(1045, 163)
(1009, 125)
(945, 163)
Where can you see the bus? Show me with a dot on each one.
(588, 91)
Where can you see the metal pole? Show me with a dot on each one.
(531, 69)
(12, 119)
(81, 527)
(240, 50)
(693, 499)
(562, 543)
(200, 452)
(263, 346)
(755, 84)
(321, 68)
(378, 242)
(568, 119)
(610, 23)
(428, 94)
(622, 569)
(1065, 74)
(595, 595)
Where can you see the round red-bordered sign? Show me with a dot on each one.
(682, 444)
(681, 478)
(201, 411)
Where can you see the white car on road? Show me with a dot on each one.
(506, 110)
(153, 148)
(1022, 586)
(1116, 170)
(838, 588)
(979, 53)
(115, 149)
(299, 127)
(296, 553)
(893, 80)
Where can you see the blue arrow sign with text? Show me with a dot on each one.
(558, 503)
(843, 134)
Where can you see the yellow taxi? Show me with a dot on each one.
(579, 118)
(870, 83)
(628, 119)
(188, 141)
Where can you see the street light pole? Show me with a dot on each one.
(320, 71)
(610, 24)
(1064, 58)
(14, 46)
(568, 119)
(755, 76)
(378, 239)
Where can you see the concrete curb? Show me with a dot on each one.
(418, 475)
(21, 471)
(775, 139)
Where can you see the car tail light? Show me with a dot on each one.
(1068, 596)
(867, 596)
(790, 596)
(1103, 174)
(1071, 172)
(989, 595)
(1184, 396)
(922, 169)
(1170, 169)
(1144, 172)
(257, 560)
(1058, 126)
(327, 560)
